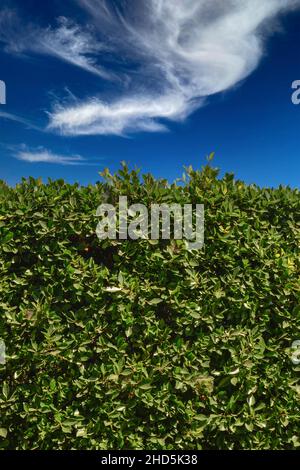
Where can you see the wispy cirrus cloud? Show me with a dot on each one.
(43, 155)
(67, 41)
(178, 54)
(187, 50)
(19, 119)
(135, 113)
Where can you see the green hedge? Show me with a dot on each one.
(193, 351)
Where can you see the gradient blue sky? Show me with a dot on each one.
(245, 114)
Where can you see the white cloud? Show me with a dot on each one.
(135, 113)
(20, 120)
(13, 117)
(188, 50)
(66, 41)
(70, 43)
(98, 8)
(42, 155)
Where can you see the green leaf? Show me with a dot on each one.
(195, 315)
(145, 387)
(3, 432)
(155, 301)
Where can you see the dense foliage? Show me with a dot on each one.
(145, 344)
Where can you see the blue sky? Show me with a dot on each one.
(160, 84)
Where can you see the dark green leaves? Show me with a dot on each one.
(143, 344)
